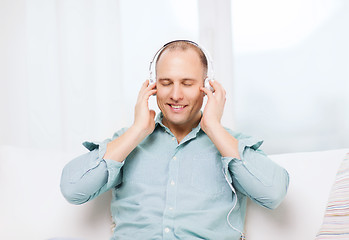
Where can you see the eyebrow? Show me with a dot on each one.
(189, 79)
(164, 79)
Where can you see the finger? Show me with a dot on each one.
(219, 90)
(149, 93)
(145, 88)
(151, 86)
(145, 84)
(208, 92)
(215, 85)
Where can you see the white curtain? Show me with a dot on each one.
(60, 71)
(70, 70)
(215, 27)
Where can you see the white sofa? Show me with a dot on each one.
(32, 206)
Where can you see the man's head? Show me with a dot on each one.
(180, 72)
(184, 45)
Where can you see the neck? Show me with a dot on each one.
(182, 130)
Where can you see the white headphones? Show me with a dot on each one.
(210, 72)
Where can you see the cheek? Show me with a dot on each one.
(195, 94)
(160, 92)
(161, 96)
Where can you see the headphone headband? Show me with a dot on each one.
(152, 65)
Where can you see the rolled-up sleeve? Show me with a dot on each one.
(90, 175)
(256, 175)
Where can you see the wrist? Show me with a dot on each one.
(211, 128)
(139, 131)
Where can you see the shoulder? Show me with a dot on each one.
(237, 135)
(92, 145)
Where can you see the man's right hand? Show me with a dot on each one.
(144, 124)
(144, 118)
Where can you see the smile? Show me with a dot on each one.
(177, 106)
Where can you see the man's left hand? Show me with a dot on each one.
(215, 106)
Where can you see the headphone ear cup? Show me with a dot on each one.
(151, 81)
(207, 84)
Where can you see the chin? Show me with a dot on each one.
(181, 120)
(176, 120)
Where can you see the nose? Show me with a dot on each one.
(176, 93)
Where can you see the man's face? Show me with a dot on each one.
(180, 74)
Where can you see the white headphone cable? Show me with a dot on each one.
(243, 237)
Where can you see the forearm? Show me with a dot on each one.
(258, 177)
(121, 147)
(253, 172)
(226, 144)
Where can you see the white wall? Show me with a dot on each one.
(291, 73)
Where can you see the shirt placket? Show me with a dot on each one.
(171, 194)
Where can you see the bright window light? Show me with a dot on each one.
(270, 24)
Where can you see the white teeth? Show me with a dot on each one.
(177, 106)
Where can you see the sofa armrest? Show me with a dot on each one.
(301, 213)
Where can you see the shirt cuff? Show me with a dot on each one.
(102, 148)
(113, 168)
(251, 142)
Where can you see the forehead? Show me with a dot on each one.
(179, 61)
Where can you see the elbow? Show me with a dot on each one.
(275, 200)
(72, 195)
(81, 178)
(277, 194)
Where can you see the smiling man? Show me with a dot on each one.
(181, 175)
(180, 76)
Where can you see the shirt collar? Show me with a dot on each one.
(193, 133)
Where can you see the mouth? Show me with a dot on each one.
(176, 108)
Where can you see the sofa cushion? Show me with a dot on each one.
(32, 206)
(300, 214)
(336, 220)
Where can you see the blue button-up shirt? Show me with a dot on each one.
(170, 190)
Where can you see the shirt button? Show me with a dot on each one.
(174, 158)
(172, 183)
(167, 230)
(173, 138)
(170, 208)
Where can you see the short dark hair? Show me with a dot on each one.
(185, 45)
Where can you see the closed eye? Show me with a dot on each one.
(165, 82)
(188, 82)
